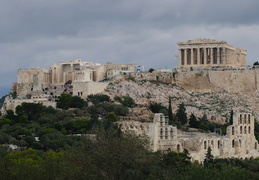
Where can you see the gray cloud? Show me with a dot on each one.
(42, 32)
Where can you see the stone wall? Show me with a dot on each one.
(11, 104)
(83, 89)
(239, 142)
(234, 81)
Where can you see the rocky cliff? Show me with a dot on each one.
(216, 105)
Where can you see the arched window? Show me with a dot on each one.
(245, 118)
(233, 143)
(240, 142)
(212, 144)
(166, 133)
(218, 143)
(205, 145)
(249, 130)
(249, 118)
(171, 132)
(240, 118)
(161, 133)
(240, 129)
(245, 129)
(233, 130)
(178, 148)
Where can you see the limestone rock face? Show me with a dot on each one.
(215, 105)
(210, 90)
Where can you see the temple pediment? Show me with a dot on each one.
(202, 41)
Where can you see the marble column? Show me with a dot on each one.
(198, 56)
(205, 56)
(206, 60)
(224, 56)
(180, 57)
(192, 61)
(185, 56)
(218, 55)
(211, 55)
(52, 76)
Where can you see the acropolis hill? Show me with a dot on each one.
(212, 78)
(205, 66)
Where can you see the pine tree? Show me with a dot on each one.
(208, 158)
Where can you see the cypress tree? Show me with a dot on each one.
(170, 113)
(231, 117)
(181, 114)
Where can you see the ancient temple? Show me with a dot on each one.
(210, 53)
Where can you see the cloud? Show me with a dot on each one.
(38, 33)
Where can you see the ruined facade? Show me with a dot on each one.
(76, 77)
(210, 53)
(37, 81)
(239, 141)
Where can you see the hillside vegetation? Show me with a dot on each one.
(81, 139)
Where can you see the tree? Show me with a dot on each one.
(193, 121)
(66, 101)
(151, 70)
(181, 114)
(170, 113)
(31, 110)
(208, 158)
(112, 117)
(157, 108)
(231, 117)
(128, 101)
(98, 98)
(256, 63)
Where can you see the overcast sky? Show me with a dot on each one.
(38, 33)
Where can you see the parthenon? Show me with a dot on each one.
(210, 53)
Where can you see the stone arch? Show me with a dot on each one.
(161, 133)
(249, 130)
(233, 143)
(171, 132)
(245, 129)
(233, 130)
(205, 145)
(178, 148)
(241, 128)
(166, 133)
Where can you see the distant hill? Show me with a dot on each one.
(4, 91)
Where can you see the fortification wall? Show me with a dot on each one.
(235, 81)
